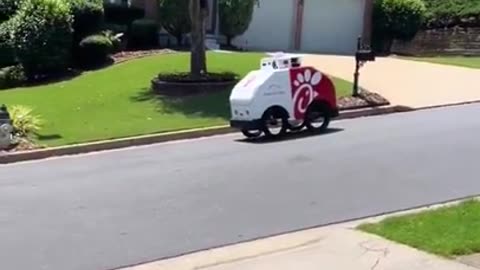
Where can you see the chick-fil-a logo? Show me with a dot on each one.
(305, 88)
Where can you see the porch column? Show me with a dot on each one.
(298, 23)
(367, 22)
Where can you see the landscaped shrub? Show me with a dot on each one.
(115, 38)
(143, 34)
(396, 19)
(174, 18)
(95, 49)
(449, 13)
(12, 76)
(8, 8)
(7, 52)
(87, 17)
(235, 17)
(122, 13)
(25, 123)
(42, 32)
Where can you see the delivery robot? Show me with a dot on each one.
(282, 96)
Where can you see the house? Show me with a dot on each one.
(311, 26)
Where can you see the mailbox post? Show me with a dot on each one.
(363, 54)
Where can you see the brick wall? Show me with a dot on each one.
(441, 41)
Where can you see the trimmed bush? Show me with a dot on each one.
(174, 18)
(235, 17)
(95, 49)
(122, 13)
(7, 51)
(143, 34)
(8, 8)
(13, 76)
(43, 37)
(396, 19)
(87, 17)
(450, 13)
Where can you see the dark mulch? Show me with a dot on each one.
(130, 55)
(365, 99)
(23, 145)
(186, 77)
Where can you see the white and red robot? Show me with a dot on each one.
(282, 95)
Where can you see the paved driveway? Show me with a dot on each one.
(409, 83)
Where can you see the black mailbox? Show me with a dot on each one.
(365, 55)
(4, 115)
(362, 55)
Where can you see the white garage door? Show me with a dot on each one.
(332, 26)
(271, 28)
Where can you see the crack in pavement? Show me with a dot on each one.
(383, 252)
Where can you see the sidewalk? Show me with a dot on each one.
(408, 83)
(337, 247)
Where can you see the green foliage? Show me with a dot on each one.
(12, 76)
(174, 18)
(235, 17)
(8, 8)
(143, 34)
(448, 13)
(43, 36)
(25, 123)
(7, 51)
(87, 16)
(94, 49)
(397, 19)
(122, 13)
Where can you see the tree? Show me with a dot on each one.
(174, 18)
(235, 17)
(199, 11)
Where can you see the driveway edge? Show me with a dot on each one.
(162, 137)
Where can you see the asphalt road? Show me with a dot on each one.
(107, 210)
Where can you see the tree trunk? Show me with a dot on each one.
(198, 59)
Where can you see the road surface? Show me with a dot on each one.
(103, 211)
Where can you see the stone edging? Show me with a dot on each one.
(159, 138)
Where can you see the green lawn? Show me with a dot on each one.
(448, 231)
(115, 102)
(462, 61)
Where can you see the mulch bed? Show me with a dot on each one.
(23, 145)
(365, 99)
(130, 55)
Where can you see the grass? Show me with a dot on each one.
(461, 61)
(115, 102)
(448, 231)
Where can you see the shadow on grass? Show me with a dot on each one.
(213, 105)
(48, 137)
(290, 136)
(70, 74)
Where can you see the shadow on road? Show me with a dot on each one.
(290, 136)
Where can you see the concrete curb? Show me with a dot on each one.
(159, 138)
